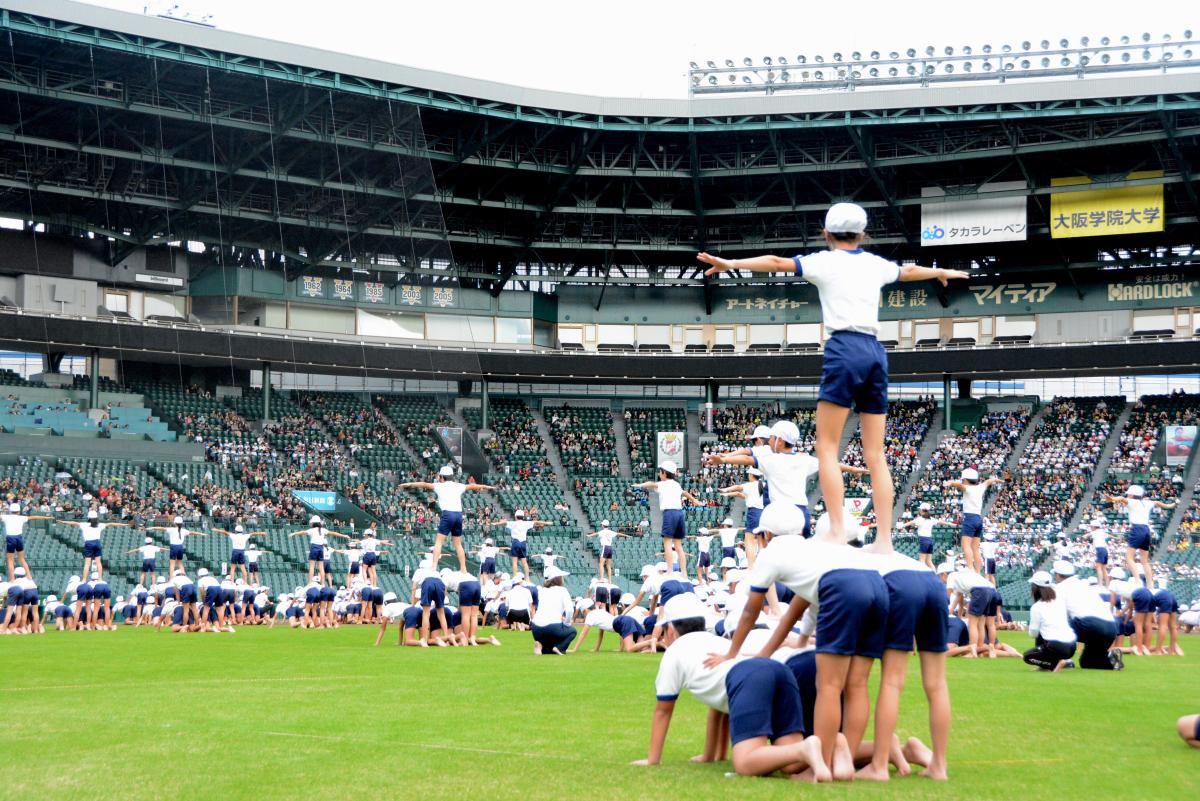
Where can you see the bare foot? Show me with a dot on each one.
(537, 648)
(843, 761)
(917, 752)
(495, 641)
(872, 774)
(806, 776)
(937, 773)
(422, 643)
(811, 750)
(897, 758)
(555, 650)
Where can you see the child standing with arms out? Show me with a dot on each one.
(855, 371)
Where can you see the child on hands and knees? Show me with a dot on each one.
(855, 370)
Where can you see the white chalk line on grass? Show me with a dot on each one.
(433, 746)
(178, 682)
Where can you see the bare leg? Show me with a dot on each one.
(887, 710)
(462, 556)
(883, 494)
(857, 701)
(830, 420)
(436, 556)
(933, 678)
(757, 757)
(1187, 730)
(832, 670)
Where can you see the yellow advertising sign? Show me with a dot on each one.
(1104, 212)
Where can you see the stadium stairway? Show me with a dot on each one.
(924, 454)
(1100, 474)
(621, 435)
(814, 483)
(560, 472)
(1018, 450)
(401, 440)
(693, 442)
(1182, 504)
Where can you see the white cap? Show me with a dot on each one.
(519, 513)
(425, 563)
(548, 550)
(661, 567)
(505, 577)
(727, 521)
(1063, 568)
(604, 524)
(1093, 580)
(627, 599)
(554, 572)
(488, 541)
(178, 521)
(388, 597)
(734, 576)
(945, 567)
(202, 571)
(924, 507)
(1118, 573)
(781, 519)
(787, 431)
(846, 218)
(647, 571)
(668, 466)
(238, 528)
(761, 432)
(314, 520)
(754, 471)
(683, 607)
(446, 470)
(14, 508)
(19, 571)
(91, 515)
(585, 603)
(990, 535)
(970, 474)
(729, 562)
(149, 540)
(1135, 491)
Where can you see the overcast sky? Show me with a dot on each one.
(641, 48)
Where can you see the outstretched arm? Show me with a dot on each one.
(745, 624)
(852, 470)
(648, 485)
(695, 501)
(425, 485)
(480, 487)
(914, 273)
(756, 264)
(743, 459)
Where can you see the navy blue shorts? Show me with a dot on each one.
(606, 552)
(1102, 556)
(1165, 602)
(784, 593)
(956, 632)
(354, 568)
(1127, 627)
(1138, 537)
(625, 626)
(147, 565)
(252, 567)
(925, 545)
(1143, 600)
(469, 593)
(64, 611)
(14, 544)
(600, 595)
(175, 552)
(312, 595)
(517, 616)
(983, 602)
(855, 372)
(316, 553)
(294, 611)
(370, 558)
(519, 549)
(972, 525)
(451, 523)
(853, 612)
(648, 624)
(673, 524)
(100, 591)
(83, 593)
(228, 597)
(237, 558)
(177, 616)
(916, 611)
(763, 701)
(989, 567)
(704, 560)
(212, 595)
(728, 553)
(328, 593)
(669, 589)
(808, 530)
(488, 566)
(28, 597)
(753, 515)
(804, 669)
(433, 592)
(91, 549)
(187, 594)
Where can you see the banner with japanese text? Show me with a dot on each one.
(949, 218)
(1104, 212)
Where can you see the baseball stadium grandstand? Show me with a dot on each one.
(245, 283)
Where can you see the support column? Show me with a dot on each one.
(948, 422)
(964, 387)
(94, 372)
(266, 389)
(484, 405)
(711, 391)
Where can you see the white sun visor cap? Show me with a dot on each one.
(754, 471)
(446, 470)
(314, 520)
(668, 466)
(519, 513)
(727, 522)
(846, 218)
(1041, 579)
(388, 597)
(92, 514)
(924, 508)
(683, 607)
(734, 576)
(1118, 573)
(1064, 568)
(647, 571)
(781, 519)
(603, 524)
(1135, 491)
(14, 508)
(945, 567)
(970, 474)
(554, 572)
(627, 599)
(760, 432)
(178, 521)
(787, 431)
(728, 562)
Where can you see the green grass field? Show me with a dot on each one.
(282, 714)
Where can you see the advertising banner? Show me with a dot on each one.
(973, 218)
(671, 446)
(1104, 212)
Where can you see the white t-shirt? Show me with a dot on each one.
(728, 537)
(800, 564)
(148, 551)
(1081, 601)
(1138, 511)
(638, 613)
(554, 606)
(682, 668)
(14, 524)
(787, 475)
(488, 552)
(703, 542)
(972, 498)
(423, 573)
(519, 529)
(600, 619)
(1099, 538)
(354, 555)
(370, 544)
(520, 599)
(394, 610)
(893, 562)
(548, 560)
(317, 535)
(92, 533)
(988, 549)
(253, 554)
(924, 526)
(1049, 618)
(606, 535)
(670, 494)
(849, 282)
(963, 581)
(449, 495)
(176, 535)
(237, 541)
(181, 581)
(753, 496)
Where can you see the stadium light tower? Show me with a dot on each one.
(1032, 60)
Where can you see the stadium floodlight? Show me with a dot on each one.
(745, 79)
(767, 60)
(893, 55)
(856, 56)
(929, 50)
(712, 79)
(785, 76)
(911, 53)
(820, 59)
(696, 80)
(949, 51)
(781, 60)
(966, 51)
(729, 62)
(695, 66)
(801, 59)
(837, 56)
(747, 61)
